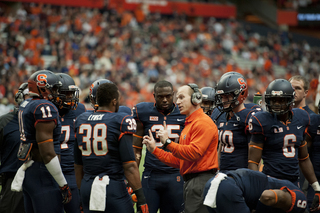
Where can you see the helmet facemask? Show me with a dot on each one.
(69, 99)
(237, 99)
(279, 109)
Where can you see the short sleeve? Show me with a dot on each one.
(255, 126)
(135, 112)
(128, 125)
(125, 109)
(45, 112)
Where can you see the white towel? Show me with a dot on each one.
(210, 199)
(98, 193)
(17, 182)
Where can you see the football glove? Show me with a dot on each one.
(130, 192)
(66, 194)
(316, 202)
(143, 209)
(142, 206)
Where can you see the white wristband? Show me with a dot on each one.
(55, 170)
(316, 186)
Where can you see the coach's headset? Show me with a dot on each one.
(196, 96)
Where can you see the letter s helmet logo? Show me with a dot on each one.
(41, 80)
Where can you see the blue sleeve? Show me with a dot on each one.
(257, 138)
(125, 148)
(135, 113)
(77, 154)
(255, 126)
(46, 112)
(128, 125)
(125, 109)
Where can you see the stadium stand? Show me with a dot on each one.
(135, 50)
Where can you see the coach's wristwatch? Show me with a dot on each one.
(168, 141)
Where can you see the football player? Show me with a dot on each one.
(216, 113)
(162, 185)
(103, 151)
(40, 130)
(234, 137)
(93, 92)
(11, 202)
(207, 103)
(278, 136)
(313, 139)
(69, 109)
(244, 190)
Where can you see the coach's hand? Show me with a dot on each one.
(316, 202)
(142, 206)
(163, 133)
(149, 141)
(66, 194)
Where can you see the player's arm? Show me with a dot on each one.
(276, 198)
(256, 143)
(78, 165)
(306, 165)
(137, 142)
(131, 170)
(255, 152)
(44, 138)
(219, 152)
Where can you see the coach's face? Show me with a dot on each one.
(184, 100)
(163, 97)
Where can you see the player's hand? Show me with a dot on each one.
(163, 133)
(149, 141)
(142, 206)
(81, 208)
(143, 209)
(66, 194)
(316, 202)
(132, 194)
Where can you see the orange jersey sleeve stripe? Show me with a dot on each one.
(137, 136)
(257, 147)
(275, 194)
(130, 161)
(303, 145)
(304, 157)
(46, 141)
(137, 147)
(251, 161)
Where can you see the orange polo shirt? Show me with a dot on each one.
(197, 148)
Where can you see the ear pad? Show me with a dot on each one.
(196, 96)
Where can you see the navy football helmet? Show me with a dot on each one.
(68, 92)
(93, 90)
(44, 84)
(231, 73)
(231, 84)
(208, 98)
(283, 89)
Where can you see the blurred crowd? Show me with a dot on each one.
(135, 50)
(296, 4)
